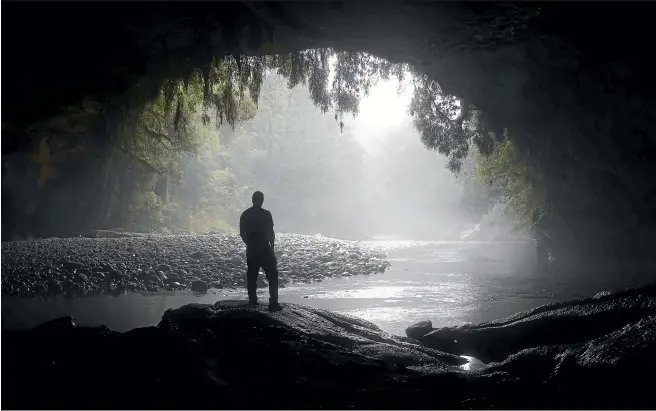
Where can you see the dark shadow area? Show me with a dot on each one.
(235, 356)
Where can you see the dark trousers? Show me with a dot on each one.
(264, 257)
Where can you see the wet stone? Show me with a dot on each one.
(419, 329)
(115, 274)
(72, 265)
(199, 286)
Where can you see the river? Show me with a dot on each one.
(449, 283)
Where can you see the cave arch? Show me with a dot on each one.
(578, 95)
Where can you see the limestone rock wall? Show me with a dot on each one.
(93, 187)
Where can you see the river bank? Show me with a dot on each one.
(83, 266)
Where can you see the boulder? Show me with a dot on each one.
(199, 286)
(56, 325)
(115, 274)
(593, 370)
(418, 330)
(552, 324)
(317, 358)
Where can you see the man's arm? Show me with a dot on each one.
(242, 233)
(271, 234)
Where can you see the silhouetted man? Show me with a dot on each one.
(256, 229)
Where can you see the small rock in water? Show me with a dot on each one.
(420, 329)
(164, 268)
(61, 323)
(198, 286)
(196, 255)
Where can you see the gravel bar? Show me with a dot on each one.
(87, 266)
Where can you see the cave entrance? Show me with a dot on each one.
(534, 77)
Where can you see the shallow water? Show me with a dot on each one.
(449, 283)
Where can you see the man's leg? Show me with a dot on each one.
(271, 270)
(251, 278)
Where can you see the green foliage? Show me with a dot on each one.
(204, 221)
(228, 90)
(182, 115)
(354, 75)
(524, 195)
(148, 215)
(181, 121)
(448, 124)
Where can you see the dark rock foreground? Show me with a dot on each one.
(568, 322)
(231, 355)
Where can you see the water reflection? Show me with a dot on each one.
(473, 364)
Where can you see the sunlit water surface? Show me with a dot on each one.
(449, 283)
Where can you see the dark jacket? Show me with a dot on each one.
(256, 228)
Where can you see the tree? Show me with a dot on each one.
(178, 120)
(523, 193)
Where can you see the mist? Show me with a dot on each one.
(371, 179)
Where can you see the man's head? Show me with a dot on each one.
(258, 199)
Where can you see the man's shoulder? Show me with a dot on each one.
(247, 211)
